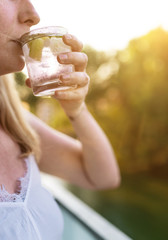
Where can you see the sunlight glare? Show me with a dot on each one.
(104, 24)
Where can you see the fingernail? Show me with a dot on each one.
(65, 77)
(63, 56)
(68, 36)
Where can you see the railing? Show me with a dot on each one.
(80, 221)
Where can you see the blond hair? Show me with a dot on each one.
(12, 118)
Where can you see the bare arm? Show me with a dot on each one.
(99, 160)
(88, 163)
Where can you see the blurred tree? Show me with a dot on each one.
(143, 84)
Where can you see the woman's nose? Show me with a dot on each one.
(28, 14)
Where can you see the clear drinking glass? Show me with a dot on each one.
(41, 47)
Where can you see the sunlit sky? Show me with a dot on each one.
(104, 24)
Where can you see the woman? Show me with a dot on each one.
(27, 145)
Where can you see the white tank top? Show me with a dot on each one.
(31, 215)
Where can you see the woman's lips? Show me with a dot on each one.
(18, 45)
(18, 42)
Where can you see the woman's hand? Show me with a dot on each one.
(72, 100)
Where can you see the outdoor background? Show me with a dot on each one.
(127, 45)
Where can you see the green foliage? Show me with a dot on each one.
(25, 93)
(143, 87)
(128, 97)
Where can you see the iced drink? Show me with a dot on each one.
(41, 47)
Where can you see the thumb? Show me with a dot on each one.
(28, 83)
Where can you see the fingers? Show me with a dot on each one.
(78, 94)
(78, 59)
(73, 42)
(79, 79)
(74, 94)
